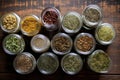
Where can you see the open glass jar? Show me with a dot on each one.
(13, 44)
(30, 25)
(24, 63)
(92, 16)
(51, 18)
(72, 22)
(10, 22)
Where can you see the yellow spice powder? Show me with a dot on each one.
(29, 24)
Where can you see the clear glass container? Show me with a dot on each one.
(47, 63)
(98, 60)
(61, 44)
(102, 41)
(10, 22)
(93, 20)
(40, 43)
(78, 19)
(24, 63)
(88, 51)
(13, 44)
(73, 59)
(30, 22)
(51, 18)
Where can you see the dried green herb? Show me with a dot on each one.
(92, 15)
(47, 63)
(99, 62)
(105, 33)
(13, 44)
(71, 63)
(71, 22)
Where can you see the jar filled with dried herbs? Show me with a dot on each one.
(40, 43)
(47, 63)
(30, 25)
(84, 43)
(10, 22)
(24, 63)
(61, 44)
(51, 18)
(72, 22)
(105, 34)
(92, 16)
(71, 63)
(99, 61)
(13, 44)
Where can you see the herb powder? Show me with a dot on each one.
(99, 62)
(92, 15)
(47, 63)
(105, 33)
(71, 22)
(71, 63)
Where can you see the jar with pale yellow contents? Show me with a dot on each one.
(30, 25)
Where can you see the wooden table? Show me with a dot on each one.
(111, 11)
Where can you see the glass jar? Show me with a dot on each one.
(61, 44)
(10, 22)
(30, 25)
(40, 43)
(72, 22)
(84, 43)
(105, 34)
(24, 63)
(71, 63)
(47, 63)
(51, 18)
(99, 61)
(13, 44)
(92, 16)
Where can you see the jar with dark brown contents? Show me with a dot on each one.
(24, 63)
(92, 16)
(51, 18)
(84, 43)
(61, 43)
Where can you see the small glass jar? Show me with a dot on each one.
(92, 16)
(30, 25)
(10, 22)
(61, 44)
(24, 63)
(99, 62)
(13, 44)
(47, 63)
(72, 22)
(71, 63)
(51, 18)
(40, 43)
(84, 43)
(105, 34)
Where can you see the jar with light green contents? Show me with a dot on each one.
(105, 33)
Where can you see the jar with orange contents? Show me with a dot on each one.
(30, 25)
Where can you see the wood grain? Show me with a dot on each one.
(111, 13)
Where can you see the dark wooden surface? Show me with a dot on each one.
(111, 11)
